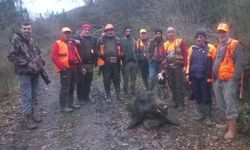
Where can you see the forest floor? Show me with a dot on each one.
(100, 125)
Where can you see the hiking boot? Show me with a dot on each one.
(108, 98)
(82, 102)
(74, 106)
(231, 129)
(87, 99)
(199, 117)
(208, 121)
(30, 124)
(36, 120)
(66, 110)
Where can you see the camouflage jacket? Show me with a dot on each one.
(25, 54)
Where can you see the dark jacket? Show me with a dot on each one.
(88, 49)
(25, 54)
(128, 46)
(156, 47)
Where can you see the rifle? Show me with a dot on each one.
(44, 76)
(241, 96)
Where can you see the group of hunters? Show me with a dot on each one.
(75, 57)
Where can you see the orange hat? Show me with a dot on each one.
(66, 29)
(224, 27)
(143, 31)
(108, 26)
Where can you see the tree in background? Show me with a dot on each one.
(11, 14)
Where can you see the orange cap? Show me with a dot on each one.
(224, 27)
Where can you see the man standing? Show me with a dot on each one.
(141, 54)
(26, 56)
(110, 59)
(199, 73)
(156, 56)
(67, 60)
(88, 53)
(176, 66)
(227, 70)
(129, 68)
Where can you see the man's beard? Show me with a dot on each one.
(128, 35)
(158, 39)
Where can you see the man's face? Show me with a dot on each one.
(144, 35)
(200, 39)
(26, 30)
(86, 32)
(128, 33)
(171, 34)
(223, 35)
(109, 32)
(158, 34)
(66, 35)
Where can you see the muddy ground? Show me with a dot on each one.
(99, 125)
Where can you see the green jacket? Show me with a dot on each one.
(25, 54)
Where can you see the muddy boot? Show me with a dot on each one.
(201, 114)
(74, 106)
(118, 97)
(125, 93)
(108, 97)
(208, 112)
(36, 119)
(30, 124)
(231, 129)
(66, 110)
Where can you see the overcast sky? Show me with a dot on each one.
(42, 6)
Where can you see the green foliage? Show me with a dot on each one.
(11, 14)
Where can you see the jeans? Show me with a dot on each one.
(29, 87)
(202, 90)
(154, 69)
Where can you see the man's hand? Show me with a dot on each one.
(184, 69)
(83, 70)
(77, 42)
(187, 77)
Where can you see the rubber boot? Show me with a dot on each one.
(201, 113)
(231, 129)
(30, 124)
(108, 97)
(208, 111)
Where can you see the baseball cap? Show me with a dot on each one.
(223, 26)
(66, 29)
(142, 31)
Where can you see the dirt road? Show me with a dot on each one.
(99, 125)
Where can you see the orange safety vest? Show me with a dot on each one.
(174, 48)
(100, 61)
(63, 54)
(227, 66)
(211, 54)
